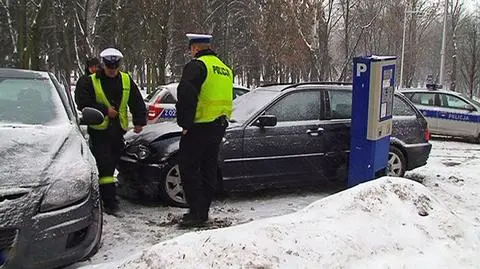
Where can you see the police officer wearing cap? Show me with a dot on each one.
(111, 92)
(203, 108)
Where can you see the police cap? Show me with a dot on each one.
(111, 54)
(111, 57)
(198, 38)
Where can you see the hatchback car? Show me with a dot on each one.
(161, 104)
(50, 212)
(448, 113)
(270, 142)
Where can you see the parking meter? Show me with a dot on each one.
(371, 126)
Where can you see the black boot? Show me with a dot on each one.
(191, 219)
(110, 203)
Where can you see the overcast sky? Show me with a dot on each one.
(470, 4)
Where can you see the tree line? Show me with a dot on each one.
(264, 41)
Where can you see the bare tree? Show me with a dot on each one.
(262, 40)
(470, 52)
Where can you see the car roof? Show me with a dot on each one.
(407, 90)
(285, 86)
(281, 87)
(23, 73)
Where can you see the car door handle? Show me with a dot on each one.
(317, 132)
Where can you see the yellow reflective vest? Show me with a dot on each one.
(216, 94)
(102, 99)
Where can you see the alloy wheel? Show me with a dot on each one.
(395, 165)
(173, 185)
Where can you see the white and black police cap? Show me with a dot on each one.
(111, 55)
(198, 38)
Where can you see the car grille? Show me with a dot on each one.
(7, 240)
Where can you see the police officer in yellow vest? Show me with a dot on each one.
(111, 92)
(203, 108)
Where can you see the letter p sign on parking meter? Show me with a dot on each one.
(372, 106)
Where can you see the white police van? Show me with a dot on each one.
(447, 112)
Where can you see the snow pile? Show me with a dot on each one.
(388, 222)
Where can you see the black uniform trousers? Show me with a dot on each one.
(107, 147)
(198, 163)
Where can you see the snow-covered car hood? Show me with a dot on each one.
(153, 132)
(38, 155)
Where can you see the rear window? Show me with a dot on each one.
(401, 108)
(168, 99)
(341, 105)
(30, 101)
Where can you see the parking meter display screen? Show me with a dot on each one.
(386, 101)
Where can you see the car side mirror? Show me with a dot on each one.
(91, 116)
(470, 108)
(266, 120)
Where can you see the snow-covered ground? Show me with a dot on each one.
(389, 223)
(145, 225)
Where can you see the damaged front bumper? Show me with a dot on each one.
(139, 180)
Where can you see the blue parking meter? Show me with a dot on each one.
(372, 106)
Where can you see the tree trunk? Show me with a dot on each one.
(21, 18)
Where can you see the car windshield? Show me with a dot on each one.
(471, 100)
(30, 101)
(246, 105)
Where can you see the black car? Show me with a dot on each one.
(50, 212)
(279, 135)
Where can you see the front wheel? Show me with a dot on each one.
(396, 162)
(171, 189)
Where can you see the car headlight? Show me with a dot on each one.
(140, 152)
(65, 192)
(143, 152)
